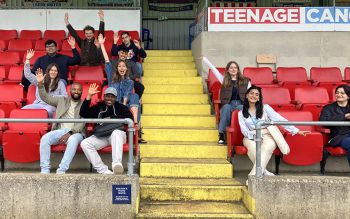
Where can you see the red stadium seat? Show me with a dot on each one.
(262, 76)
(212, 82)
(40, 45)
(292, 77)
(2, 74)
(58, 35)
(326, 77)
(30, 34)
(235, 141)
(304, 150)
(11, 97)
(89, 74)
(311, 99)
(347, 74)
(31, 94)
(15, 74)
(37, 54)
(8, 34)
(8, 59)
(20, 46)
(66, 47)
(278, 98)
(80, 33)
(109, 34)
(21, 141)
(3, 45)
(3, 127)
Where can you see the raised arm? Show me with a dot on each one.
(214, 69)
(71, 29)
(27, 72)
(101, 29)
(86, 111)
(53, 101)
(101, 41)
(75, 60)
(141, 51)
(114, 50)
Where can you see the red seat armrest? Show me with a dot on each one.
(322, 130)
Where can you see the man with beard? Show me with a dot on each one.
(115, 136)
(70, 134)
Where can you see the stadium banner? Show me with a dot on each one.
(279, 19)
(46, 3)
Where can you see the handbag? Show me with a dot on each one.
(279, 139)
(106, 129)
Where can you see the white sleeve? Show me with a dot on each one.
(274, 116)
(217, 74)
(244, 128)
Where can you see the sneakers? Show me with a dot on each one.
(268, 173)
(107, 172)
(118, 168)
(142, 141)
(221, 138)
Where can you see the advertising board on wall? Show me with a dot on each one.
(279, 19)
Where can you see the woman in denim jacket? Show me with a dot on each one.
(121, 82)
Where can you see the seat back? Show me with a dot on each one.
(9, 58)
(11, 93)
(311, 95)
(20, 45)
(57, 35)
(347, 74)
(291, 74)
(30, 34)
(3, 45)
(15, 74)
(2, 73)
(28, 127)
(259, 76)
(326, 74)
(89, 74)
(8, 34)
(40, 45)
(299, 116)
(276, 95)
(109, 34)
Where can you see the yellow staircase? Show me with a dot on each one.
(184, 173)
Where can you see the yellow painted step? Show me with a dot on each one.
(178, 121)
(162, 53)
(174, 89)
(185, 168)
(169, 66)
(175, 109)
(171, 81)
(202, 210)
(175, 98)
(180, 134)
(165, 59)
(183, 150)
(170, 189)
(170, 73)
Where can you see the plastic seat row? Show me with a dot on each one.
(59, 35)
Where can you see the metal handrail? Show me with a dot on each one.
(259, 125)
(129, 122)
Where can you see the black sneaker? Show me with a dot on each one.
(141, 141)
(221, 138)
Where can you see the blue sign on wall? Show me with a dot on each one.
(121, 194)
(327, 15)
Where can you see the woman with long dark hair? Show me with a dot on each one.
(253, 111)
(339, 111)
(119, 79)
(232, 93)
(54, 86)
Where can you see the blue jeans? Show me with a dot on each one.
(139, 68)
(345, 143)
(51, 138)
(225, 114)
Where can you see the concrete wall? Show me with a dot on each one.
(306, 49)
(312, 197)
(64, 196)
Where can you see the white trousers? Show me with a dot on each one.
(268, 145)
(91, 144)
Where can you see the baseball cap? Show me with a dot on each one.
(111, 90)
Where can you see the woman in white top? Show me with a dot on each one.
(52, 83)
(253, 111)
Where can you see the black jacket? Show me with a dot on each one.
(138, 53)
(100, 110)
(333, 112)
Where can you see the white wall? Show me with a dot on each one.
(28, 19)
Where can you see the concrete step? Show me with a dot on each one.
(172, 53)
(183, 150)
(180, 134)
(175, 98)
(189, 121)
(185, 168)
(178, 209)
(170, 73)
(165, 59)
(169, 66)
(175, 109)
(170, 189)
(171, 81)
(174, 89)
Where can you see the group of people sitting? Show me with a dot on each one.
(237, 93)
(50, 74)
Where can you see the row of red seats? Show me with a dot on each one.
(21, 141)
(304, 150)
(58, 35)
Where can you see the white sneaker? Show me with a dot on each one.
(118, 168)
(107, 172)
(268, 173)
